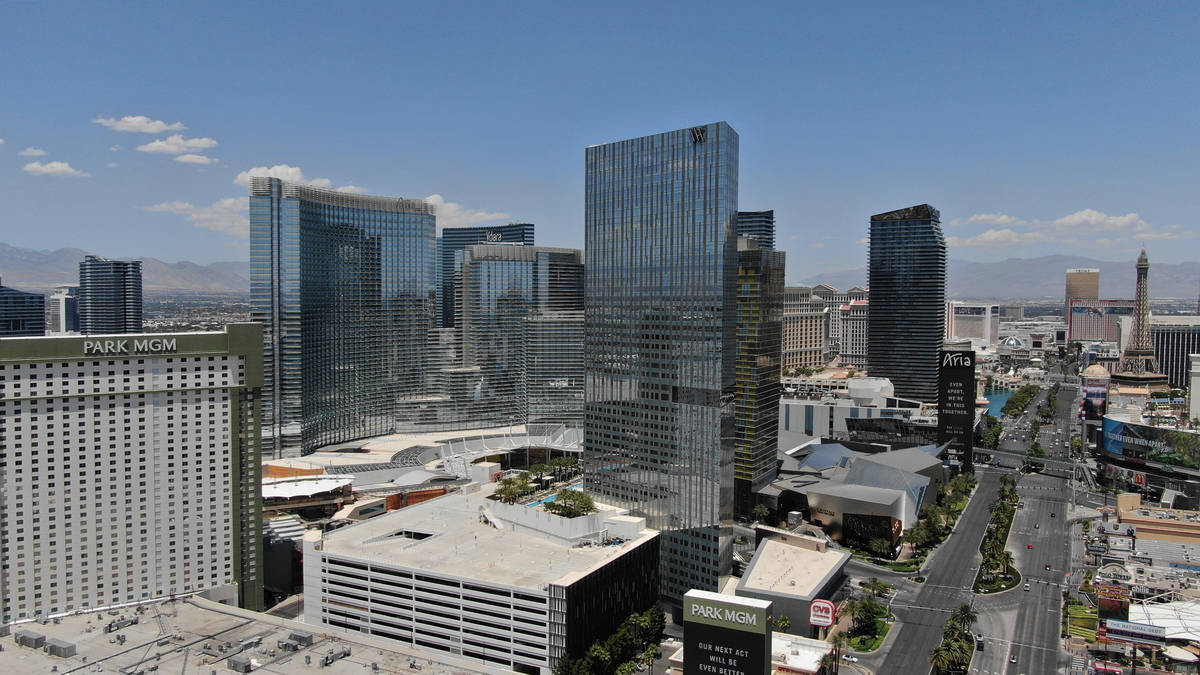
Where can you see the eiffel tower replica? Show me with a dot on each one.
(1139, 366)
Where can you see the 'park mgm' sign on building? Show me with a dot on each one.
(725, 634)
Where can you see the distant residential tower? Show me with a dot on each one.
(110, 296)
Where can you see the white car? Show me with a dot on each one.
(851, 659)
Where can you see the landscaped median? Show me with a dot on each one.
(997, 571)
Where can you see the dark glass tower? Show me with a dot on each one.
(757, 224)
(502, 288)
(906, 320)
(454, 240)
(22, 314)
(344, 287)
(660, 322)
(110, 296)
(759, 349)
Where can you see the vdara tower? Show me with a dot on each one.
(1138, 366)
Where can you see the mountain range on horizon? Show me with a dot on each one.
(34, 270)
(1041, 278)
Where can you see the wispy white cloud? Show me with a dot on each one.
(1078, 229)
(1, 141)
(196, 159)
(997, 238)
(112, 165)
(864, 240)
(33, 152)
(227, 216)
(292, 174)
(53, 169)
(817, 244)
(998, 219)
(176, 144)
(451, 214)
(138, 124)
(114, 148)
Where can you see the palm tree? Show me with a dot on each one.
(875, 587)
(942, 657)
(964, 617)
(1006, 560)
(840, 641)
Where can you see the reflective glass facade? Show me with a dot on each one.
(454, 240)
(21, 313)
(660, 320)
(344, 287)
(906, 318)
(554, 369)
(110, 296)
(757, 224)
(759, 349)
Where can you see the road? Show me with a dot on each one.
(923, 608)
(1023, 623)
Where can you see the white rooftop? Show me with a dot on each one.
(461, 544)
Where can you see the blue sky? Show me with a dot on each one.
(1036, 128)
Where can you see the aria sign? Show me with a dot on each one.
(821, 613)
(130, 346)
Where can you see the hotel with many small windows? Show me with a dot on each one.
(129, 470)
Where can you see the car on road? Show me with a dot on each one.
(1012, 659)
(1029, 546)
(1037, 526)
(851, 659)
(1026, 586)
(1047, 568)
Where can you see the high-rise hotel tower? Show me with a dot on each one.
(907, 317)
(660, 319)
(344, 285)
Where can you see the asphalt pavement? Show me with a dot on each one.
(922, 609)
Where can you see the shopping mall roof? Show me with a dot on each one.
(304, 486)
(1181, 620)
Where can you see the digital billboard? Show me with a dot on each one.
(725, 634)
(1153, 444)
(956, 401)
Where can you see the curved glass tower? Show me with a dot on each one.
(344, 286)
(660, 320)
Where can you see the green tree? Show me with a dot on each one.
(964, 617)
(875, 587)
(782, 622)
(598, 657)
(627, 668)
(1006, 561)
(760, 512)
(942, 657)
(570, 503)
(880, 547)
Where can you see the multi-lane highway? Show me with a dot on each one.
(1021, 623)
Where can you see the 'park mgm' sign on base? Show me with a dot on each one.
(725, 634)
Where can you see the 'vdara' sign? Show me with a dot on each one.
(130, 346)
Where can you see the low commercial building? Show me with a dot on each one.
(195, 635)
(508, 586)
(791, 571)
(856, 496)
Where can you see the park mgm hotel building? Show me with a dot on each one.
(129, 470)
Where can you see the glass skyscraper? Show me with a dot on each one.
(660, 319)
(502, 288)
(759, 349)
(344, 286)
(453, 240)
(906, 320)
(22, 313)
(757, 224)
(110, 296)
